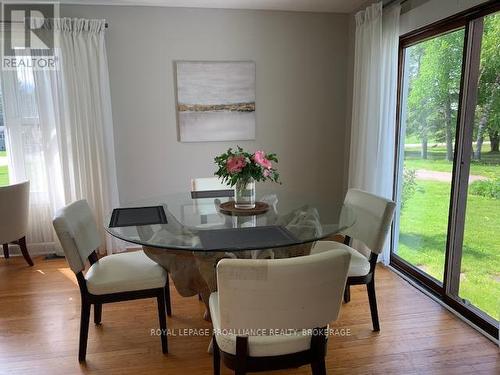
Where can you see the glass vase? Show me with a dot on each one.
(244, 194)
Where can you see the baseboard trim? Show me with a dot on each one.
(48, 251)
(33, 250)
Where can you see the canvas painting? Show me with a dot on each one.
(216, 101)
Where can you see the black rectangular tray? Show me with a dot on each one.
(246, 238)
(135, 216)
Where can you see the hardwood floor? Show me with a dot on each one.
(40, 309)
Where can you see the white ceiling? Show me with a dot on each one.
(330, 6)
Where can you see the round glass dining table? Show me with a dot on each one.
(194, 234)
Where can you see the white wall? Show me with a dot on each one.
(301, 92)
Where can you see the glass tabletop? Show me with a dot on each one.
(197, 224)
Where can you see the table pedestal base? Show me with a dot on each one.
(194, 273)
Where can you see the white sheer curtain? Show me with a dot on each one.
(74, 153)
(33, 155)
(371, 161)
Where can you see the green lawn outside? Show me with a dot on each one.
(4, 176)
(489, 166)
(4, 173)
(423, 229)
(423, 226)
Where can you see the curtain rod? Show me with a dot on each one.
(6, 21)
(390, 2)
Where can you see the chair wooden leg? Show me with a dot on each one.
(318, 351)
(97, 313)
(241, 355)
(370, 287)
(84, 330)
(347, 293)
(24, 250)
(6, 250)
(162, 317)
(167, 297)
(318, 367)
(216, 354)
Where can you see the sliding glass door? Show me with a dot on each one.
(479, 281)
(431, 87)
(446, 233)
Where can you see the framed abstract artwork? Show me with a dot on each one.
(215, 100)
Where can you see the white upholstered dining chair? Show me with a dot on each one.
(205, 189)
(113, 278)
(14, 209)
(260, 302)
(373, 218)
(208, 184)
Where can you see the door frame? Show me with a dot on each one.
(471, 21)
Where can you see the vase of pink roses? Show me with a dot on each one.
(242, 169)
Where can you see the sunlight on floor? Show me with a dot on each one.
(68, 274)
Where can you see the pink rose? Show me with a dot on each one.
(260, 158)
(235, 164)
(266, 173)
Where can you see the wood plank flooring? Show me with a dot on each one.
(39, 320)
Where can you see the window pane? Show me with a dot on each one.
(431, 86)
(4, 172)
(480, 268)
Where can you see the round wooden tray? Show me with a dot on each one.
(229, 209)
